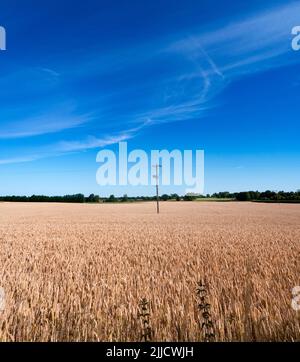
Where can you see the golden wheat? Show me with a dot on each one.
(79, 272)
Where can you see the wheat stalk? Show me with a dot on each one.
(204, 307)
(144, 315)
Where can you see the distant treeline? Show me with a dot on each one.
(267, 196)
(259, 196)
(78, 198)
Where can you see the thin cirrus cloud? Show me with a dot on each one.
(34, 81)
(13, 160)
(91, 142)
(64, 147)
(41, 125)
(190, 72)
(36, 93)
(209, 61)
(246, 46)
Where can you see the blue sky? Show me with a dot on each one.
(78, 76)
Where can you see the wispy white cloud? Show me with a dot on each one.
(196, 68)
(68, 147)
(94, 142)
(51, 72)
(91, 142)
(216, 58)
(51, 111)
(13, 160)
(41, 125)
(209, 61)
(253, 43)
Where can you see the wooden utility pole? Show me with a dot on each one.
(157, 191)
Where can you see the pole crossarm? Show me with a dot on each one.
(156, 176)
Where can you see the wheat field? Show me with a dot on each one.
(78, 272)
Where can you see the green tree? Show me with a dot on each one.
(111, 198)
(165, 197)
(243, 196)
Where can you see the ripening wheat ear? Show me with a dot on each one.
(144, 315)
(206, 323)
(249, 333)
